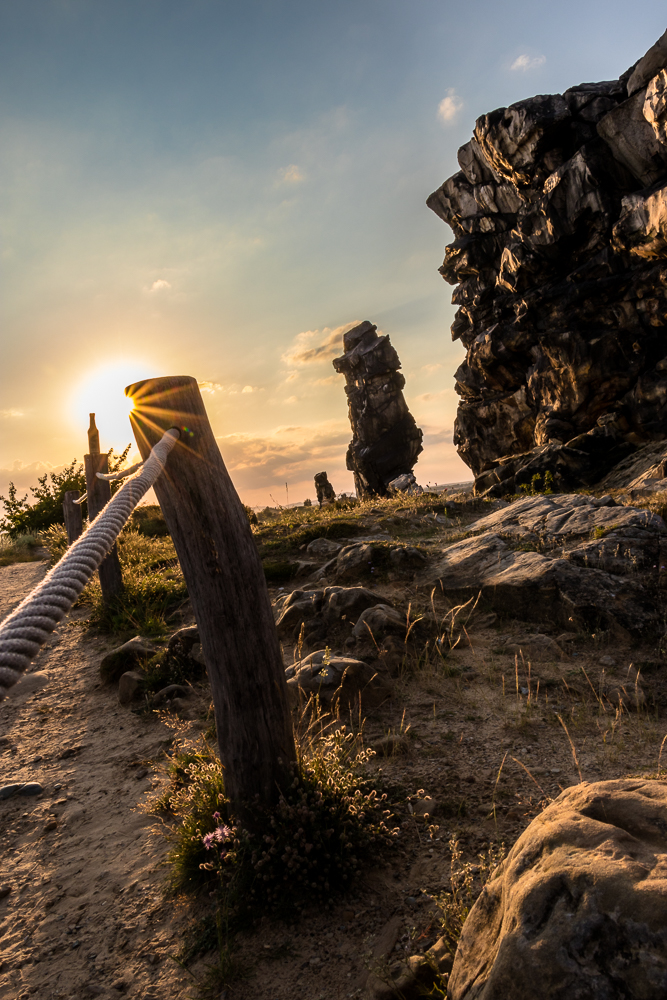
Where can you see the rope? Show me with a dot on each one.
(30, 624)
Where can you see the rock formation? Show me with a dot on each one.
(323, 489)
(578, 908)
(559, 214)
(385, 438)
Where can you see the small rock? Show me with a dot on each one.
(31, 788)
(393, 743)
(425, 807)
(5, 890)
(131, 654)
(141, 773)
(322, 547)
(169, 692)
(51, 824)
(129, 686)
(29, 683)
(607, 661)
(6, 791)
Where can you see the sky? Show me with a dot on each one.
(220, 189)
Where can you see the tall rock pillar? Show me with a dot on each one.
(385, 438)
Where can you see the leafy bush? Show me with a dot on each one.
(148, 519)
(46, 509)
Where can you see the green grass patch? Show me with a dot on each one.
(154, 588)
(20, 549)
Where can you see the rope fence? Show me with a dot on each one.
(30, 624)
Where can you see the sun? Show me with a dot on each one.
(101, 391)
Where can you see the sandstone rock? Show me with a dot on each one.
(540, 587)
(322, 547)
(371, 559)
(385, 438)
(170, 693)
(579, 907)
(125, 657)
(129, 686)
(559, 216)
(324, 490)
(340, 682)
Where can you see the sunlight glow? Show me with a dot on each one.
(101, 391)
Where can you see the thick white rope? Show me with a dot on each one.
(30, 624)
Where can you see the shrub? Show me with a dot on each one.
(148, 520)
(309, 846)
(22, 517)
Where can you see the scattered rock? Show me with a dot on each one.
(385, 438)
(51, 824)
(131, 654)
(535, 647)
(6, 791)
(29, 683)
(5, 889)
(31, 788)
(170, 692)
(578, 906)
(338, 681)
(404, 484)
(393, 743)
(368, 559)
(409, 980)
(322, 547)
(425, 807)
(129, 686)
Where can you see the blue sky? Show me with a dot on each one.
(214, 188)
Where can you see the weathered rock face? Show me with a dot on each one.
(559, 214)
(579, 907)
(385, 438)
(323, 489)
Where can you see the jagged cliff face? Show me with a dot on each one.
(559, 214)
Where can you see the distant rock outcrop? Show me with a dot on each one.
(385, 438)
(559, 214)
(324, 490)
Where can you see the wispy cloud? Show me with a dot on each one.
(292, 174)
(160, 285)
(431, 368)
(316, 346)
(427, 396)
(288, 453)
(228, 390)
(449, 107)
(525, 62)
(328, 381)
(11, 414)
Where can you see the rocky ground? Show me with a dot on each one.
(551, 674)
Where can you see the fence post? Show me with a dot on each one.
(227, 587)
(73, 516)
(98, 494)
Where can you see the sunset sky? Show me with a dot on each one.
(218, 188)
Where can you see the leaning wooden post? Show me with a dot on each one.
(227, 587)
(73, 515)
(98, 494)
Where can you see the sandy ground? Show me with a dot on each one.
(84, 914)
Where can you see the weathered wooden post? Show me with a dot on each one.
(73, 515)
(98, 494)
(227, 587)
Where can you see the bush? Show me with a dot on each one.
(22, 518)
(310, 846)
(22, 548)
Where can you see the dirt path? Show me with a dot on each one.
(81, 908)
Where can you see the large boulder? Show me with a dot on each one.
(559, 216)
(579, 907)
(340, 682)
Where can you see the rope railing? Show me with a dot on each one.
(30, 624)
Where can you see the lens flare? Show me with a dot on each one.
(101, 391)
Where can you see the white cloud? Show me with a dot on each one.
(525, 62)
(211, 387)
(292, 399)
(160, 285)
(449, 107)
(292, 174)
(9, 414)
(249, 388)
(431, 368)
(228, 390)
(303, 351)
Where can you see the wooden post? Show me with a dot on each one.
(98, 494)
(227, 587)
(73, 516)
